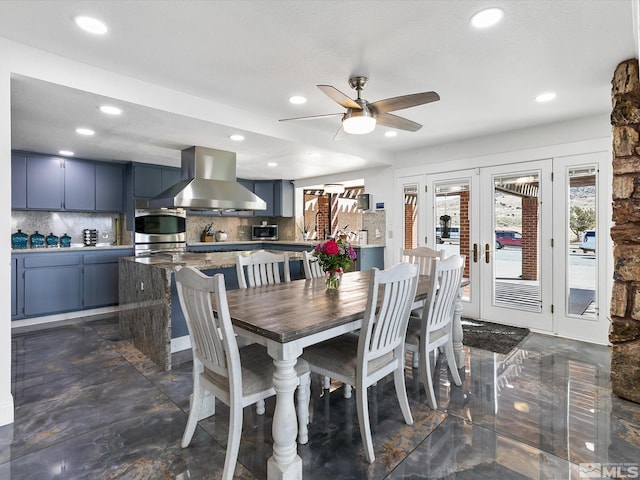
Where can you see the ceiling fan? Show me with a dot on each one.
(361, 116)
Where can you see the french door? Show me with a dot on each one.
(522, 228)
(516, 244)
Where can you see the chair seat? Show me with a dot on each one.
(413, 332)
(339, 356)
(257, 370)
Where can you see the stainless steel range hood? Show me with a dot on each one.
(208, 182)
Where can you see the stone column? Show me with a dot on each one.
(624, 333)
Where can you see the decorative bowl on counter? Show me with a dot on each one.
(36, 240)
(19, 239)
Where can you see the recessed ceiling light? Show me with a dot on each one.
(313, 155)
(237, 138)
(487, 18)
(85, 131)
(390, 133)
(110, 110)
(272, 164)
(297, 100)
(66, 153)
(91, 25)
(546, 97)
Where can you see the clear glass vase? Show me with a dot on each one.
(333, 279)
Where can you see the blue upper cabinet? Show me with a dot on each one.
(151, 180)
(279, 197)
(264, 189)
(109, 187)
(18, 180)
(170, 176)
(45, 182)
(79, 185)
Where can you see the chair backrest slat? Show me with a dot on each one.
(391, 294)
(312, 268)
(447, 277)
(262, 268)
(422, 256)
(212, 338)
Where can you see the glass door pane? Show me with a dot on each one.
(452, 220)
(580, 290)
(410, 215)
(517, 241)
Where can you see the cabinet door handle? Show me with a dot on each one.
(475, 253)
(487, 250)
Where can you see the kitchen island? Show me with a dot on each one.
(150, 314)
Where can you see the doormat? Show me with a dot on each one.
(494, 337)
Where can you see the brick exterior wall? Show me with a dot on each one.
(530, 238)
(465, 232)
(409, 226)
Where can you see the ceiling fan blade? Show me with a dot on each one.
(313, 117)
(394, 121)
(404, 101)
(340, 98)
(339, 134)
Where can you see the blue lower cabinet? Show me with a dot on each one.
(14, 287)
(52, 283)
(369, 258)
(100, 279)
(58, 282)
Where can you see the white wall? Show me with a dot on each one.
(6, 399)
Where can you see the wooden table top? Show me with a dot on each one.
(289, 311)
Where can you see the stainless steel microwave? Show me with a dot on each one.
(264, 232)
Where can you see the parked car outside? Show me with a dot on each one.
(508, 237)
(588, 243)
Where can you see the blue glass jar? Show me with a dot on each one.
(51, 240)
(65, 240)
(19, 239)
(36, 240)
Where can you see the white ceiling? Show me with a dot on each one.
(253, 55)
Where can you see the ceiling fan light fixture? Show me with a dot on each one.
(359, 122)
(333, 188)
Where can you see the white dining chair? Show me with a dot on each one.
(379, 349)
(237, 377)
(421, 256)
(262, 268)
(432, 330)
(312, 268)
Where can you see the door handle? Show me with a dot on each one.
(487, 250)
(475, 253)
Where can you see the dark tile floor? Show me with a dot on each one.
(90, 406)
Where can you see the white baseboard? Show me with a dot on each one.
(62, 317)
(6, 410)
(180, 343)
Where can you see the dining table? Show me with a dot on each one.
(286, 318)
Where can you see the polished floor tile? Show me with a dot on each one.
(90, 406)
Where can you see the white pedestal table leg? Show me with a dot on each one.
(457, 330)
(285, 464)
